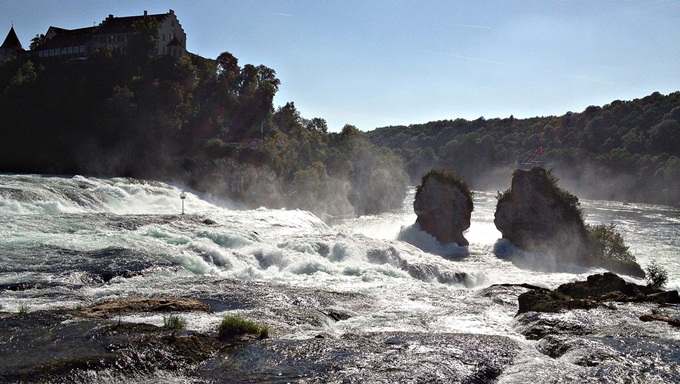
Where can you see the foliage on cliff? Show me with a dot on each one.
(207, 123)
(625, 150)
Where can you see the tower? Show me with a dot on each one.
(11, 47)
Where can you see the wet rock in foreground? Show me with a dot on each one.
(389, 357)
(79, 345)
(114, 308)
(44, 346)
(596, 291)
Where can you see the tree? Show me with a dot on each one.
(228, 72)
(349, 131)
(665, 137)
(25, 74)
(287, 118)
(144, 39)
(657, 276)
(227, 65)
(318, 124)
(606, 243)
(36, 41)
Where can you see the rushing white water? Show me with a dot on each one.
(61, 233)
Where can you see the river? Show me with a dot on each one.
(368, 299)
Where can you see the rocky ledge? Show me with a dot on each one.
(597, 290)
(95, 343)
(45, 345)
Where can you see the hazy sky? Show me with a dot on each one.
(377, 63)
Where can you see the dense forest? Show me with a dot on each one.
(626, 150)
(208, 124)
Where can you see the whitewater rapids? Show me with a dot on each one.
(373, 286)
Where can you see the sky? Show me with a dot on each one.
(375, 63)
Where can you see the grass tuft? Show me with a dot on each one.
(174, 322)
(23, 310)
(235, 326)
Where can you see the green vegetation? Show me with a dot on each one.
(23, 310)
(569, 203)
(626, 150)
(207, 123)
(557, 295)
(657, 276)
(607, 249)
(235, 326)
(174, 322)
(607, 244)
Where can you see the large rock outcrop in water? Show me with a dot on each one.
(536, 215)
(443, 204)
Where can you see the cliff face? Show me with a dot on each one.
(537, 216)
(443, 204)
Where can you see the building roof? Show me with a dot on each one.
(12, 41)
(67, 38)
(113, 25)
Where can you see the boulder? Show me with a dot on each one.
(655, 316)
(597, 290)
(606, 286)
(535, 215)
(443, 204)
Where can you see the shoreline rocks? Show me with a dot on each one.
(90, 339)
(597, 290)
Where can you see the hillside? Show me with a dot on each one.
(625, 150)
(208, 124)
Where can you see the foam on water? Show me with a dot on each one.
(414, 283)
